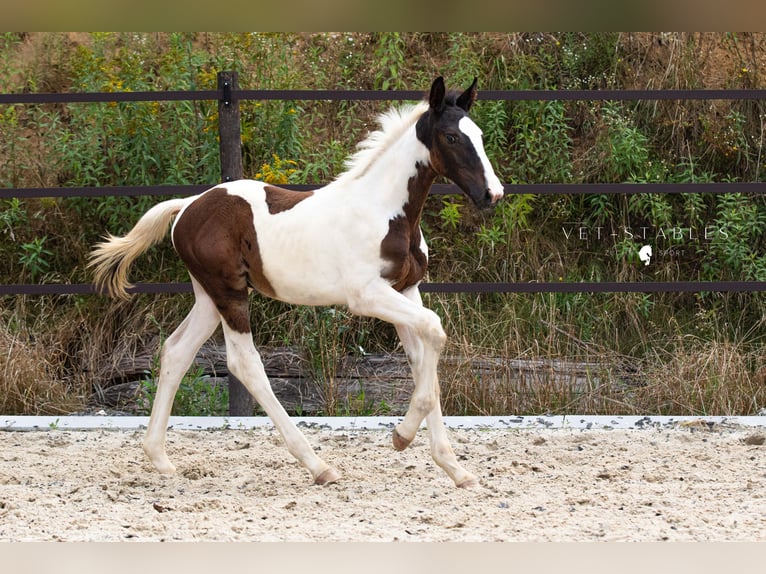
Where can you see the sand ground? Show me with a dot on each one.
(686, 483)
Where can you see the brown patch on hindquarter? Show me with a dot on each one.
(216, 238)
(401, 245)
(279, 199)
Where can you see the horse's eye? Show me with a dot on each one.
(451, 138)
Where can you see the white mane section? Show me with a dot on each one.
(393, 124)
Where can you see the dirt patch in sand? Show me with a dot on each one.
(537, 485)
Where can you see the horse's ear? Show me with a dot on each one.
(438, 92)
(468, 97)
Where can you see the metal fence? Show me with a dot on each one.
(228, 95)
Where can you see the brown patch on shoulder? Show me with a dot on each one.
(279, 199)
(216, 238)
(401, 245)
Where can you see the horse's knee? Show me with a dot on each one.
(432, 331)
(236, 368)
(439, 337)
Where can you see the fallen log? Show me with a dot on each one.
(371, 384)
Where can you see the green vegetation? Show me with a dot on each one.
(197, 395)
(660, 353)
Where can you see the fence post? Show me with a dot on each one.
(241, 403)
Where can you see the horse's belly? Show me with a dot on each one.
(309, 266)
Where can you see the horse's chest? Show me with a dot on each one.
(401, 250)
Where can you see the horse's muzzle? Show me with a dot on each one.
(490, 199)
(495, 195)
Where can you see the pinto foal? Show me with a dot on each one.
(354, 242)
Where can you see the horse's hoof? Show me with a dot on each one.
(400, 443)
(163, 466)
(469, 482)
(167, 470)
(327, 477)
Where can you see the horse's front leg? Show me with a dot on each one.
(423, 339)
(441, 450)
(423, 354)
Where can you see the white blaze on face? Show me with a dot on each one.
(469, 128)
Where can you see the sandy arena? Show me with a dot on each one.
(696, 482)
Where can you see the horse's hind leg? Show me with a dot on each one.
(245, 363)
(175, 359)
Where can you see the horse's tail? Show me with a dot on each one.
(112, 258)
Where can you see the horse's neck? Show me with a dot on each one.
(399, 176)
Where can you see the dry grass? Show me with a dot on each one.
(515, 360)
(55, 354)
(28, 379)
(704, 378)
(495, 363)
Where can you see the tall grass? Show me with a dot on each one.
(674, 353)
(33, 379)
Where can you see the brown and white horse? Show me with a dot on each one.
(354, 242)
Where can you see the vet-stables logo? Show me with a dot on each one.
(649, 244)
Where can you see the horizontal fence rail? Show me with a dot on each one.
(436, 287)
(436, 189)
(380, 95)
(239, 95)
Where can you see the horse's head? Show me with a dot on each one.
(455, 144)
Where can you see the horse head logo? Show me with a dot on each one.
(645, 254)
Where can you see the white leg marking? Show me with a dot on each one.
(381, 301)
(423, 338)
(175, 359)
(441, 451)
(245, 363)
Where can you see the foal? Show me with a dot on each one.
(354, 242)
